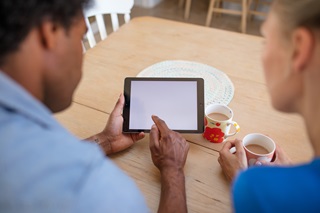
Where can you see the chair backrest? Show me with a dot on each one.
(101, 8)
(254, 9)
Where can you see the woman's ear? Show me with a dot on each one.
(303, 41)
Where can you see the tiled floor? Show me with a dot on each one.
(169, 9)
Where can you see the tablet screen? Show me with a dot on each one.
(177, 101)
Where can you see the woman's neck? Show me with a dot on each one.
(312, 120)
(310, 108)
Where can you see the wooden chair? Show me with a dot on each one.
(187, 7)
(253, 7)
(215, 7)
(99, 9)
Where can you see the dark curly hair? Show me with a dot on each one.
(18, 17)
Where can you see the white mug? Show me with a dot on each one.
(217, 129)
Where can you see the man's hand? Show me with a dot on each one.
(169, 153)
(112, 139)
(232, 163)
(168, 148)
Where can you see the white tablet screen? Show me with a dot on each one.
(175, 102)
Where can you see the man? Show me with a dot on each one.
(43, 168)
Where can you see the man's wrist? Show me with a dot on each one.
(171, 171)
(173, 194)
(103, 142)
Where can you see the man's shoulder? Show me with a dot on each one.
(22, 135)
(49, 166)
(30, 151)
(40, 158)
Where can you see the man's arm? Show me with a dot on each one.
(169, 153)
(173, 194)
(111, 139)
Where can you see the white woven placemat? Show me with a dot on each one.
(218, 86)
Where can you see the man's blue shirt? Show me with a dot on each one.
(278, 189)
(43, 168)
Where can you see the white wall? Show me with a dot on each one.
(146, 3)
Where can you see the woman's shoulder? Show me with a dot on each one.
(283, 174)
(294, 187)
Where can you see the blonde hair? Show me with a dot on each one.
(298, 13)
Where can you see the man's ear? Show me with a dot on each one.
(48, 32)
(303, 48)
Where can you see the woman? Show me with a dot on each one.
(291, 60)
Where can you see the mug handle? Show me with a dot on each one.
(236, 125)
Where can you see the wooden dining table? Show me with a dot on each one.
(145, 41)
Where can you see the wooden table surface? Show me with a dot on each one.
(145, 41)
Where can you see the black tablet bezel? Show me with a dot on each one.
(200, 103)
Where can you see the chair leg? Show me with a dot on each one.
(187, 9)
(244, 16)
(181, 3)
(218, 4)
(249, 9)
(256, 3)
(255, 7)
(210, 11)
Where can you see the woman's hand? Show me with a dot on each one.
(281, 159)
(232, 163)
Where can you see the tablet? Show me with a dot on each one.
(177, 101)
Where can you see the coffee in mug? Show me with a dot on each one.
(258, 147)
(218, 116)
